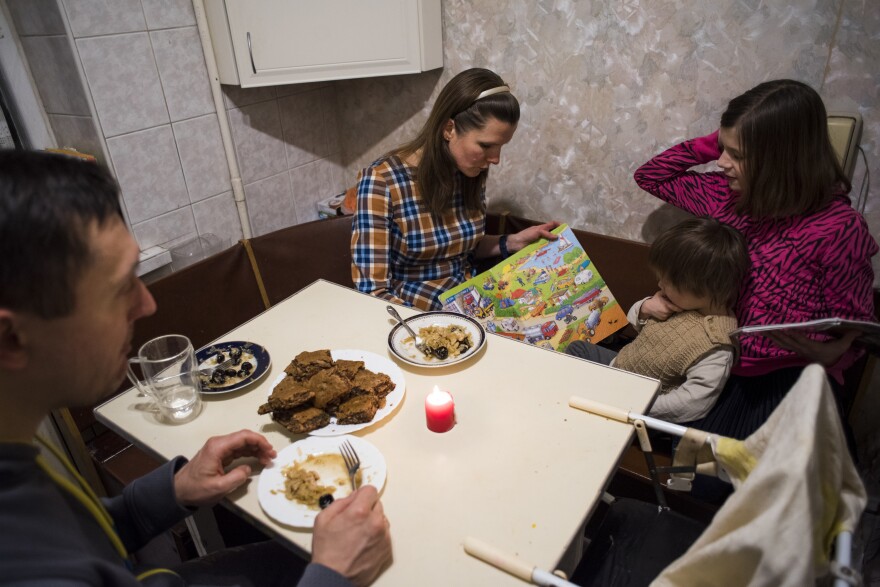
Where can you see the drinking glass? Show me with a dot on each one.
(171, 378)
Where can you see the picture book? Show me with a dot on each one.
(869, 332)
(548, 294)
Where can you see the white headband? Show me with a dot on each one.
(498, 90)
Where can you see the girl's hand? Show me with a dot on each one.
(658, 307)
(517, 241)
(826, 353)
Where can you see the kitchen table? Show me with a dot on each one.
(520, 470)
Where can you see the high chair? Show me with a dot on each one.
(796, 495)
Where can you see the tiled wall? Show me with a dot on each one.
(603, 85)
(141, 64)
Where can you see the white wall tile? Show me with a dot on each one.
(165, 229)
(202, 156)
(302, 121)
(53, 65)
(162, 14)
(270, 205)
(236, 96)
(149, 173)
(256, 131)
(182, 70)
(104, 17)
(308, 186)
(124, 82)
(218, 215)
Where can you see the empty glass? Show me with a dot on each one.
(171, 377)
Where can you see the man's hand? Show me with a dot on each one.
(826, 353)
(658, 307)
(525, 237)
(352, 537)
(204, 479)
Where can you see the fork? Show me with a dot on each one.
(352, 462)
(417, 341)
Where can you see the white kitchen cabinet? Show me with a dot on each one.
(271, 42)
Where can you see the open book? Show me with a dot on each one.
(548, 294)
(868, 338)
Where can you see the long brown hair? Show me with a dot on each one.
(436, 172)
(789, 164)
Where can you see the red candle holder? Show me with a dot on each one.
(439, 410)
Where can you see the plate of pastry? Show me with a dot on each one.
(334, 392)
(452, 338)
(292, 488)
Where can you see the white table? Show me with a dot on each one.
(521, 470)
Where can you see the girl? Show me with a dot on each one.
(782, 187)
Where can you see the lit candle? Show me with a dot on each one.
(439, 410)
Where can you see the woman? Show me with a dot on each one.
(421, 209)
(782, 187)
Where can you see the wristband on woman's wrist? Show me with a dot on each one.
(502, 246)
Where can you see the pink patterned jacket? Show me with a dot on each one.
(802, 267)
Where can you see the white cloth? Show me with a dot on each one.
(796, 490)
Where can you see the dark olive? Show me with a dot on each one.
(243, 373)
(463, 347)
(247, 366)
(229, 372)
(218, 377)
(325, 500)
(235, 355)
(220, 358)
(441, 352)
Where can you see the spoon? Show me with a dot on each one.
(418, 341)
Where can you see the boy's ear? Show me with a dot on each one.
(13, 356)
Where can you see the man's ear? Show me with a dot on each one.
(13, 356)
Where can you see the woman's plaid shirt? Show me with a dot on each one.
(400, 252)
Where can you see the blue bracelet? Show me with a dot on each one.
(502, 245)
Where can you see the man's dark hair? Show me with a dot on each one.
(47, 202)
(702, 257)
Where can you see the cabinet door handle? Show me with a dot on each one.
(251, 52)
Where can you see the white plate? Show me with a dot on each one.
(376, 364)
(270, 490)
(407, 351)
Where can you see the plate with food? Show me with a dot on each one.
(334, 392)
(451, 338)
(291, 489)
(229, 366)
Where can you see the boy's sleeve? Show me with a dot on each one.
(694, 398)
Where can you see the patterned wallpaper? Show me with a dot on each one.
(606, 84)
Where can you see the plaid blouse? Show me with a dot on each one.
(400, 252)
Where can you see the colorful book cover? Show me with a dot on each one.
(548, 294)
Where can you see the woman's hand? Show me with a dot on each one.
(518, 240)
(658, 307)
(826, 353)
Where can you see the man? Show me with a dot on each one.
(69, 299)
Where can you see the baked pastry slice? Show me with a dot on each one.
(301, 421)
(367, 382)
(357, 410)
(289, 394)
(330, 389)
(308, 363)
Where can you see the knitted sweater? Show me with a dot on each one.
(802, 267)
(665, 350)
